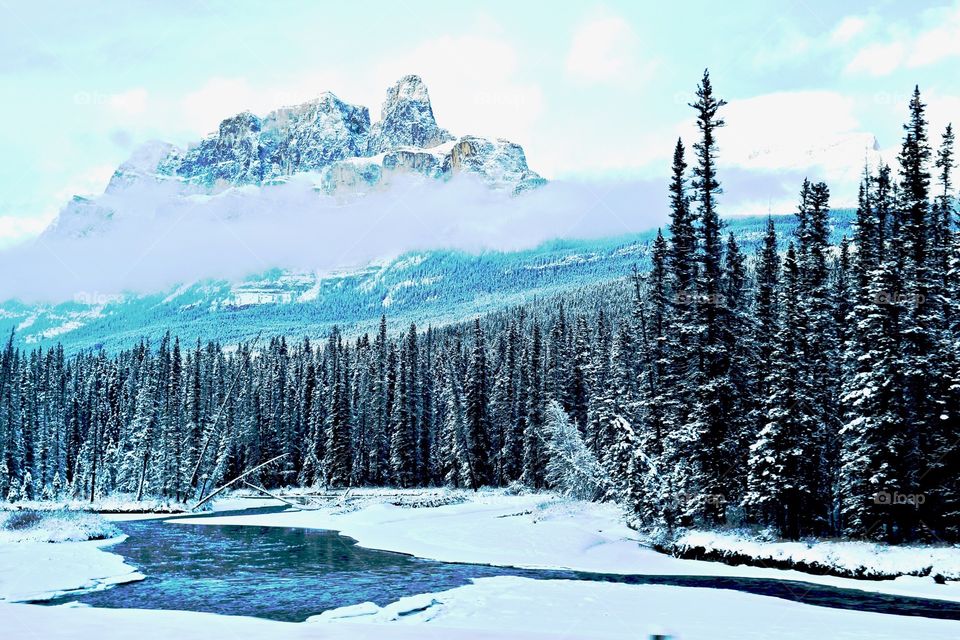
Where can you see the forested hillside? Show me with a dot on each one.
(814, 388)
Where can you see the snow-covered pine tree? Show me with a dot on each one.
(572, 469)
(379, 447)
(949, 453)
(641, 418)
(534, 458)
(923, 347)
(737, 332)
(426, 430)
(818, 342)
(453, 464)
(581, 373)
(136, 462)
(338, 458)
(777, 485)
(872, 438)
(477, 399)
(599, 376)
(766, 315)
(620, 410)
(402, 435)
(709, 415)
(557, 378)
(506, 415)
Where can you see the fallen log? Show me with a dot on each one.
(235, 480)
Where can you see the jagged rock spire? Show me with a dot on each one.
(407, 119)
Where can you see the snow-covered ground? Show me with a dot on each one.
(531, 530)
(571, 609)
(121, 503)
(41, 570)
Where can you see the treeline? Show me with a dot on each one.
(815, 391)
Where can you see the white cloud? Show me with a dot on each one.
(14, 229)
(90, 181)
(937, 40)
(941, 111)
(878, 59)
(129, 103)
(604, 50)
(778, 130)
(772, 141)
(936, 44)
(792, 46)
(848, 29)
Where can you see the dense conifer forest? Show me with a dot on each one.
(815, 391)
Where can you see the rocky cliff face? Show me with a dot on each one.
(502, 162)
(250, 150)
(313, 135)
(407, 119)
(328, 135)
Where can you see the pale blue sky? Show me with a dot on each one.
(589, 89)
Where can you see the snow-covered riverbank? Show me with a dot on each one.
(530, 530)
(862, 560)
(41, 570)
(45, 554)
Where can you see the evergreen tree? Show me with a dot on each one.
(402, 434)
(477, 411)
(778, 483)
(534, 457)
(338, 461)
(709, 414)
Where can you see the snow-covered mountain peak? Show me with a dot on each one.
(326, 140)
(407, 119)
(409, 87)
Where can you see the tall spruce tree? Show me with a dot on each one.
(477, 394)
(708, 418)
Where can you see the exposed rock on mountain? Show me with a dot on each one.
(332, 137)
(248, 150)
(501, 162)
(407, 119)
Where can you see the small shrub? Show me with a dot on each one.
(516, 488)
(59, 525)
(22, 519)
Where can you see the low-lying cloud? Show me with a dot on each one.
(155, 239)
